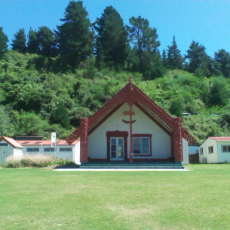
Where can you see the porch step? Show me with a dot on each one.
(121, 165)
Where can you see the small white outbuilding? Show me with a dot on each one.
(215, 150)
(9, 146)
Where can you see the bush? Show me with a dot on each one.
(12, 162)
(34, 160)
(37, 160)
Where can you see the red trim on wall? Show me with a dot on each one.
(116, 133)
(104, 118)
(142, 135)
(150, 143)
(152, 118)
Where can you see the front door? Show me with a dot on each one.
(116, 148)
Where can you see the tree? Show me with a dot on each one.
(33, 43)
(74, 36)
(3, 42)
(222, 63)
(46, 42)
(219, 94)
(145, 44)
(5, 122)
(111, 40)
(32, 125)
(174, 58)
(61, 116)
(198, 61)
(19, 41)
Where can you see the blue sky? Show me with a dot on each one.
(204, 21)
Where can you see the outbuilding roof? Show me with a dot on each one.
(220, 138)
(11, 141)
(44, 142)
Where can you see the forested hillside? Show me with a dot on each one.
(49, 79)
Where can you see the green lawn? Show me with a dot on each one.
(43, 199)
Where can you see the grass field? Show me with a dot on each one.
(43, 199)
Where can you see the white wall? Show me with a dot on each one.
(97, 140)
(185, 151)
(211, 157)
(77, 153)
(222, 157)
(69, 155)
(6, 151)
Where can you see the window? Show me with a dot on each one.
(65, 149)
(3, 144)
(210, 149)
(225, 148)
(49, 149)
(201, 151)
(32, 149)
(141, 144)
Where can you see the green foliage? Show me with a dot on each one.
(3, 42)
(30, 124)
(33, 43)
(6, 126)
(174, 58)
(145, 47)
(74, 36)
(222, 63)
(198, 61)
(46, 42)
(61, 116)
(19, 41)
(111, 40)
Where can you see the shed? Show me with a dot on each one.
(215, 150)
(9, 146)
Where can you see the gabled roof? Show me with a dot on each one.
(11, 141)
(132, 95)
(220, 138)
(44, 142)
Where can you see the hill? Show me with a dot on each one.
(36, 97)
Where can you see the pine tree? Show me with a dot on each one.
(46, 41)
(3, 42)
(74, 36)
(222, 63)
(198, 61)
(19, 41)
(111, 40)
(174, 58)
(33, 43)
(145, 44)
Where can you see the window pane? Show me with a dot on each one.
(224, 148)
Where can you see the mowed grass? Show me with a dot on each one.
(33, 198)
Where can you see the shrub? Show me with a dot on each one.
(12, 162)
(34, 160)
(38, 160)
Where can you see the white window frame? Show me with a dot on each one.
(32, 149)
(227, 148)
(210, 149)
(149, 143)
(63, 149)
(201, 151)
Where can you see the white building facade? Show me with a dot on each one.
(9, 146)
(215, 150)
